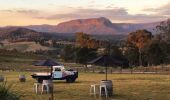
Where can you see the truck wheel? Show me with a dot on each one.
(73, 80)
(69, 80)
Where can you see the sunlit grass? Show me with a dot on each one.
(125, 86)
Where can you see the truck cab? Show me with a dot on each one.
(58, 72)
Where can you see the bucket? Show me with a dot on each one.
(109, 86)
(22, 78)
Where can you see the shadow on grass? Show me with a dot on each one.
(113, 97)
(118, 96)
(64, 82)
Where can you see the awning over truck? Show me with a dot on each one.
(47, 62)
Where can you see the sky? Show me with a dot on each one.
(37, 12)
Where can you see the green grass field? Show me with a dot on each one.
(125, 86)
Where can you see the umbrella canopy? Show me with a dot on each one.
(106, 60)
(47, 62)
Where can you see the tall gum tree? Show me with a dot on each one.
(139, 39)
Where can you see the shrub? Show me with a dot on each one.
(6, 93)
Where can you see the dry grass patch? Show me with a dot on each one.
(125, 86)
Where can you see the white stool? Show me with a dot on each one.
(93, 89)
(47, 88)
(46, 84)
(105, 90)
(36, 87)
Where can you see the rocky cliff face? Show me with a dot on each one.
(90, 26)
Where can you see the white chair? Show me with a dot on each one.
(105, 90)
(93, 89)
(36, 87)
(46, 84)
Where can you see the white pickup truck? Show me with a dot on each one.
(58, 73)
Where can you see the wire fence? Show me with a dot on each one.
(161, 69)
(164, 69)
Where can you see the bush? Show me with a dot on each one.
(6, 93)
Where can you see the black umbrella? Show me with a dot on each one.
(48, 63)
(106, 60)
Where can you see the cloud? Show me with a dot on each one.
(30, 12)
(92, 1)
(114, 13)
(163, 10)
(110, 6)
(87, 13)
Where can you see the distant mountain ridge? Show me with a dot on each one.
(94, 26)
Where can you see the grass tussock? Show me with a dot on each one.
(6, 93)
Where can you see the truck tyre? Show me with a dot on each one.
(69, 80)
(73, 80)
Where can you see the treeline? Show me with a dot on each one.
(88, 48)
(145, 49)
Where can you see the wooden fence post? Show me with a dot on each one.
(120, 69)
(156, 70)
(93, 69)
(131, 70)
(77, 69)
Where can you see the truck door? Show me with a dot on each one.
(57, 73)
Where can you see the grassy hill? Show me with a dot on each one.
(25, 46)
(14, 60)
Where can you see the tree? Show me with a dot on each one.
(114, 50)
(82, 39)
(154, 54)
(85, 40)
(132, 55)
(1, 44)
(164, 30)
(139, 39)
(68, 53)
(92, 43)
(83, 55)
(117, 54)
(54, 44)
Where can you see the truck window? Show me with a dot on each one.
(57, 69)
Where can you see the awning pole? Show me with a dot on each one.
(106, 73)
